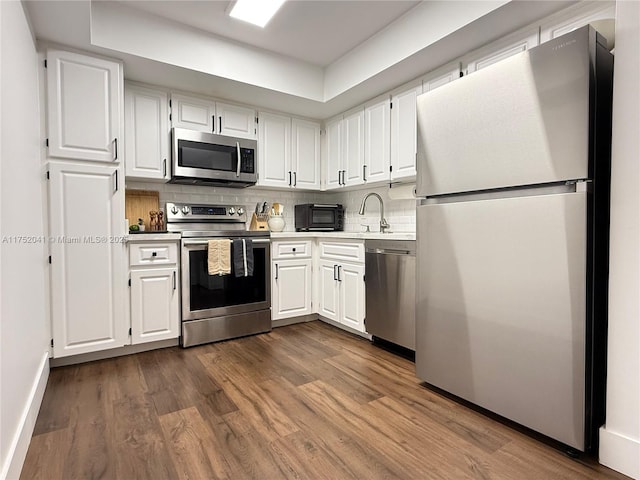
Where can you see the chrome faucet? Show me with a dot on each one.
(383, 223)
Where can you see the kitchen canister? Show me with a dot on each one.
(276, 223)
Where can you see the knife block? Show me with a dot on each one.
(259, 221)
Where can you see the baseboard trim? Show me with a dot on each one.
(344, 327)
(620, 453)
(112, 353)
(293, 320)
(20, 444)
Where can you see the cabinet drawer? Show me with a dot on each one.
(351, 251)
(291, 249)
(153, 254)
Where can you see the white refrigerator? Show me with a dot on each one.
(512, 237)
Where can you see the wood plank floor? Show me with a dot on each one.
(303, 401)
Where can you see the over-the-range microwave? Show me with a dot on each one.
(200, 158)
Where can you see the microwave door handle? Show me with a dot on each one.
(239, 159)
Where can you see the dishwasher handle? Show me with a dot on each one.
(389, 251)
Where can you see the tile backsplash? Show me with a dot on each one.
(401, 214)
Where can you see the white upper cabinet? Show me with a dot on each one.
(511, 45)
(147, 135)
(305, 153)
(377, 150)
(193, 112)
(236, 121)
(333, 153)
(404, 132)
(85, 97)
(353, 147)
(274, 150)
(204, 115)
(575, 17)
(288, 152)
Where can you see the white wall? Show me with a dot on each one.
(620, 437)
(24, 339)
(401, 214)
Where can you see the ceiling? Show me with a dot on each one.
(314, 31)
(316, 58)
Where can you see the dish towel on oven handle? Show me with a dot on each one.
(243, 257)
(219, 256)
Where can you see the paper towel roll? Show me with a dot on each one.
(402, 192)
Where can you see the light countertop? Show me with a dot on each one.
(151, 237)
(346, 235)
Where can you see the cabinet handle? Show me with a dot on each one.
(276, 271)
(164, 167)
(213, 124)
(295, 178)
(364, 173)
(344, 177)
(220, 122)
(115, 148)
(339, 177)
(334, 272)
(154, 254)
(174, 279)
(289, 178)
(115, 176)
(339, 270)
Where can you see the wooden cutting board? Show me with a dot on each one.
(138, 204)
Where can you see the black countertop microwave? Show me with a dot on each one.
(200, 158)
(319, 217)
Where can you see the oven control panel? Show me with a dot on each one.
(192, 212)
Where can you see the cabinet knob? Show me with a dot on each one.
(154, 254)
(294, 249)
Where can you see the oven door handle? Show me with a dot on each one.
(205, 242)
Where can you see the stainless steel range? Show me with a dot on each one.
(219, 307)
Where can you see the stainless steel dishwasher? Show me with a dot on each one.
(390, 278)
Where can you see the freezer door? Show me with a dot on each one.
(501, 306)
(522, 121)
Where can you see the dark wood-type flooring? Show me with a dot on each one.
(304, 401)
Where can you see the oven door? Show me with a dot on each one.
(208, 296)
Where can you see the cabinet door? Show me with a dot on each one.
(328, 290)
(84, 107)
(443, 76)
(577, 16)
(305, 154)
(193, 113)
(404, 133)
(377, 152)
(155, 304)
(333, 165)
(511, 47)
(87, 258)
(352, 296)
(353, 148)
(274, 150)
(291, 288)
(147, 135)
(236, 121)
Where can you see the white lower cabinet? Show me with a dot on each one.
(341, 288)
(341, 293)
(291, 269)
(155, 291)
(291, 288)
(88, 279)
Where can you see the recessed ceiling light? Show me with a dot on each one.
(258, 12)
